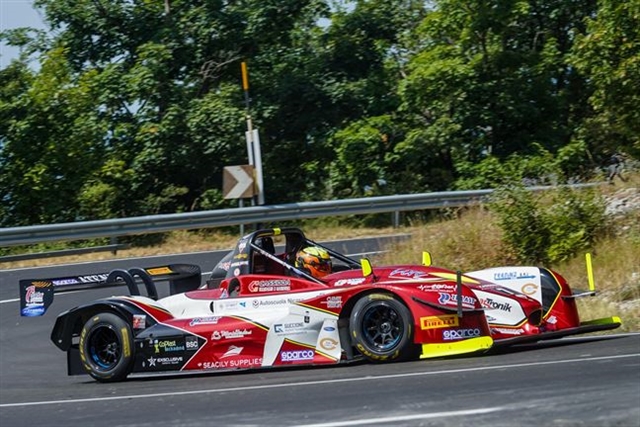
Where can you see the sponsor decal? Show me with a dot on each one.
(328, 344)
(93, 278)
(329, 328)
(32, 311)
(405, 273)
(228, 305)
(512, 275)
(242, 244)
(435, 287)
(224, 266)
(236, 272)
(239, 263)
(126, 349)
(507, 331)
(210, 320)
(275, 285)
(437, 322)
(160, 270)
(232, 351)
(139, 321)
(350, 282)
(260, 303)
(333, 302)
(288, 327)
(296, 355)
(232, 363)
(34, 299)
(167, 346)
(552, 320)
(452, 299)
(176, 360)
(241, 256)
(191, 343)
(237, 333)
(459, 334)
(494, 305)
(62, 282)
(529, 288)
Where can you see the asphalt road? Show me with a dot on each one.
(590, 381)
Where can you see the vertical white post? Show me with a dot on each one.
(257, 154)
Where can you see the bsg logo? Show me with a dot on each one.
(294, 355)
(458, 334)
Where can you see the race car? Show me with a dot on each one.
(260, 308)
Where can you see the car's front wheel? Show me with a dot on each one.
(381, 328)
(106, 347)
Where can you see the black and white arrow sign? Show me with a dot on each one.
(237, 182)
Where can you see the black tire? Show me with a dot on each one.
(106, 347)
(381, 328)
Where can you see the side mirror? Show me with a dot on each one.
(426, 259)
(367, 270)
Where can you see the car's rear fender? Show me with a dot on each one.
(69, 324)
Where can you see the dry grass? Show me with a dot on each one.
(471, 240)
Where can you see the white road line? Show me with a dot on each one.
(308, 383)
(369, 421)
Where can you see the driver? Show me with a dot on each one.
(314, 260)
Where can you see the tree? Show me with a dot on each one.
(497, 74)
(608, 54)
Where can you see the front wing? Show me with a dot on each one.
(596, 325)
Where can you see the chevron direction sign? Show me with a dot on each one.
(237, 182)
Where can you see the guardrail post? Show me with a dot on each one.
(396, 219)
(114, 243)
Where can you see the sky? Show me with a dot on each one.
(14, 14)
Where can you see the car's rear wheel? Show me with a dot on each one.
(382, 328)
(106, 347)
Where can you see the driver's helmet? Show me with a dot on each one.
(314, 260)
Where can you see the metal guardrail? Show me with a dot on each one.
(14, 236)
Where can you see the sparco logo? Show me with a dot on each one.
(458, 334)
(489, 303)
(290, 356)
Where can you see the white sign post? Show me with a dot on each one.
(253, 142)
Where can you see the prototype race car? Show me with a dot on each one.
(258, 309)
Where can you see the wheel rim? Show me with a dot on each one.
(382, 327)
(104, 348)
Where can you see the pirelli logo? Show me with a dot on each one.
(436, 322)
(159, 270)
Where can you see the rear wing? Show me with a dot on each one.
(36, 295)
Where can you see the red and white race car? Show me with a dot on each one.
(258, 309)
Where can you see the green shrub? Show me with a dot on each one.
(547, 228)
(523, 224)
(576, 219)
